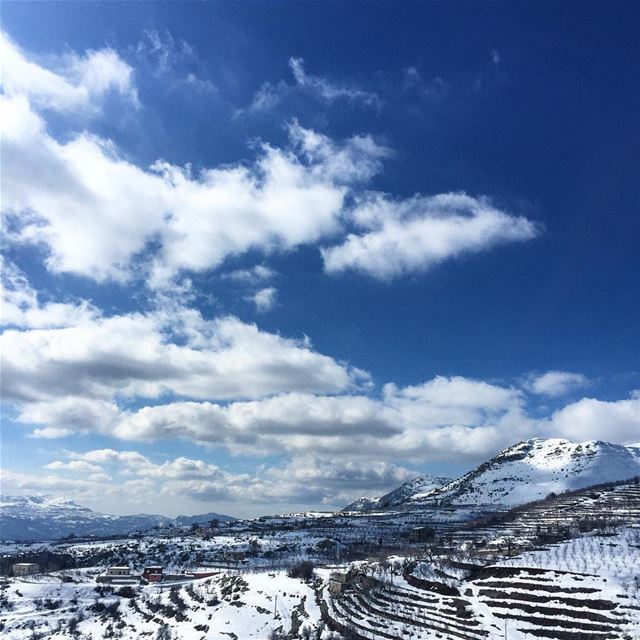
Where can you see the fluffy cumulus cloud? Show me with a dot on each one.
(556, 383)
(400, 237)
(147, 356)
(443, 419)
(592, 419)
(95, 211)
(336, 447)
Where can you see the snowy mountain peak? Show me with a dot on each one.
(524, 472)
(533, 469)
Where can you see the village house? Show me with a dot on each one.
(153, 573)
(236, 555)
(338, 581)
(25, 569)
(118, 576)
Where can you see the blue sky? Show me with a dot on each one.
(260, 257)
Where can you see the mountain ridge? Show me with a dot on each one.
(42, 517)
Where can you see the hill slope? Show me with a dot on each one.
(420, 485)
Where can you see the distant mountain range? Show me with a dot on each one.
(525, 472)
(44, 518)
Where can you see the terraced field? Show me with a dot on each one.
(551, 604)
(593, 508)
(401, 611)
(524, 602)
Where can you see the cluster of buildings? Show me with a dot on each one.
(122, 576)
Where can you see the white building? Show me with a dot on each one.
(118, 576)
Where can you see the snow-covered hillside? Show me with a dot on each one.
(46, 518)
(420, 485)
(525, 472)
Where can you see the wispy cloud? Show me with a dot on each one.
(329, 90)
(254, 275)
(176, 62)
(270, 95)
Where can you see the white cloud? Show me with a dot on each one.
(339, 447)
(555, 383)
(264, 299)
(313, 481)
(412, 235)
(444, 418)
(21, 306)
(136, 355)
(96, 212)
(79, 466)
(75, 84)
(592, 419)
(102, 216)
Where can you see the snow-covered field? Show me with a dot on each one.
(222, 607)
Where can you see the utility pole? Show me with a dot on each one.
(275, 607)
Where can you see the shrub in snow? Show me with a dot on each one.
(302, 570)
(164, 633)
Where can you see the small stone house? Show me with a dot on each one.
(338, 581)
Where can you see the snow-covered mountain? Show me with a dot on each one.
(525, 472)
(362, 504)
(46, 518)
(418, 486)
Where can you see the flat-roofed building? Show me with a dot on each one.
(25, 569)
